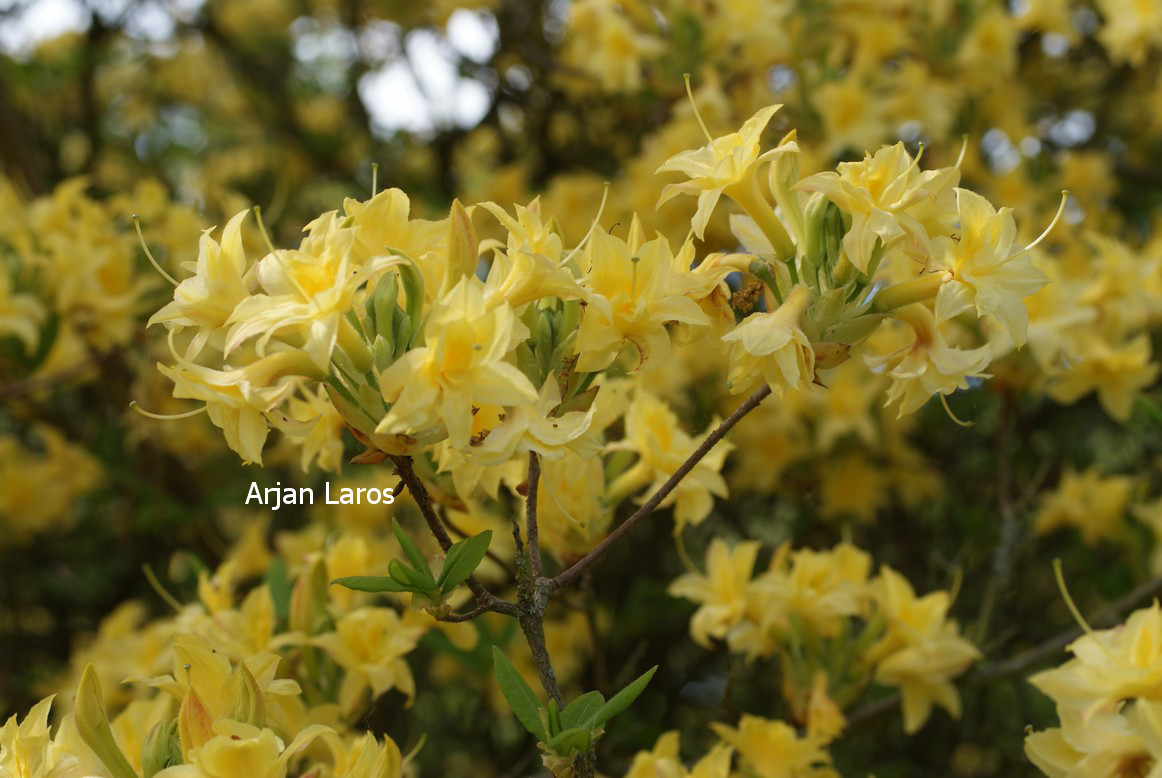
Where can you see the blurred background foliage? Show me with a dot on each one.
(185, 111)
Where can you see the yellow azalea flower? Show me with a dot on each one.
(604, 42)
(929, 365)
(520, 277)
(631, 295)
(1116, 371)
(723, 165)
(884, 194)
(773, 347)
(1093, 503)
(200, 671)
(306, 293)
(528, 233)
(383, 223)
(317, 428)
(370, 645)
(986, 273)
(570, 510)
(364, 757)
(242, 750)
(920, 652)
(26, 747)
(533, 427)
(237, 399)
(1109, 665)
(825, 718)
(852, 486)
(653, 433)
(772, 749)
(1130, 29)
(663, 761)
(721, 592)
(220, 281)
(21, 315)
(1105, 744)
(461, 364)
(39, 488)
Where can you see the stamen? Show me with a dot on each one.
(374, 179)
(963, 150)
(1069, 600)
(694, 105)
(165, 416)
(262, 228)
(149, 254)
(633, 279)
(951, 415)
(593, 226)
(684, 556)
(169, 599)
(1052, 224)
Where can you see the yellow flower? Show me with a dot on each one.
(773, 347)
(921, 652)
(307, 292)
(384, 223)
(570, 510)
(884, 194)
(219, 283)
(663, 761)
(721, 592)
(1110, 665)
(1116, 371)
(364, 757)
(532, 427)
(21, 314)
(721, 166)
(242, 750)
(652, 431)
(434, 387)
(929, 365)
(772, 749)
(1094, 504)
(631, 296)
(369, 644)
(986, 273)
(1130, 29)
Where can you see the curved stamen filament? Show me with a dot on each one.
(592, 227)
(149, 254)
(1052, 224)
(694, 105)
(166, 416)
(262, 227)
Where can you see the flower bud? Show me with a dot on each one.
(161, 748)
(93, 726)
(308, 606)
(463, 246)
(250, 706)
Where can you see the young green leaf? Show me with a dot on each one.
(582, 710)
(520, 697)
(554, 718)
(570, 740)
(622, 700)
(413, 287)
(375, 584)
(462, 560)
(413, 554)
(411, 580)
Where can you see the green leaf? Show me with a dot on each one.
(581, 711)
(624, 698)
(403, 328)
(462, 559)
(280, 587)
(554, 718)
(570, 740)
(371, 583)
(382, 304)
(413, 553)
(411, 580)
(519, 696)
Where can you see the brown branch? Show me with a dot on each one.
(484, 598)
(531, 517)
(456, 618)
(648, 507)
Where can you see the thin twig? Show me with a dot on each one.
(456, 618)
(648, 507)
(484, 598)
(531, 517)
(495, 557)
